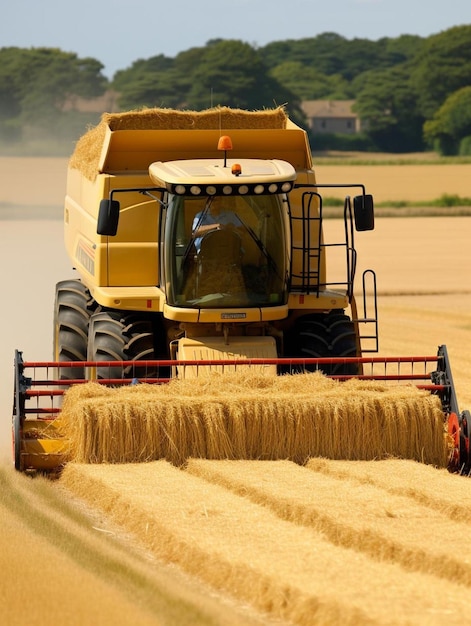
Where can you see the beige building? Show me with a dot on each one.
(332, 116)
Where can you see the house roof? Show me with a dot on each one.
(328, 108)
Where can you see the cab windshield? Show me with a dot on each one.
(225, 251)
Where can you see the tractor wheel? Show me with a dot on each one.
(72, 310)
(327, 335)
(121, 336)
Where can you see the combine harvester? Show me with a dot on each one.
(202, 260)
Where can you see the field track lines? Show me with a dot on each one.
(285, 569)
(364, 517)
(435, 488)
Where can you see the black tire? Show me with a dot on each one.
(327, 335)
(72, 310)
(121, 336)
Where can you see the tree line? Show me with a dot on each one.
(414, 92)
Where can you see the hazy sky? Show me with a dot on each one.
(118, 32)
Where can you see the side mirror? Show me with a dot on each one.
(363, 211)
(108, 218)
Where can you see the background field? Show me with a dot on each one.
(396, 183)
(41, 182)
(258, 533)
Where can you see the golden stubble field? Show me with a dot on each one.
(241, 542)
(413, 183)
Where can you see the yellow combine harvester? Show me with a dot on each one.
(199, 243)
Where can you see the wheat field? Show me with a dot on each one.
(247, 542)
(413, 183)
(310, 545)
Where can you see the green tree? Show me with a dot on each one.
(146, 83)
(451, 123)
(324, 53)
(153, 82)
(51, 77)
(231, 73)
(12, 65)
(401, 49)
(150, 90)
(442, 66)
(35, 84)
(309, 84)
(398, 83)
(224, 72)
(387, 101)
(331, 54)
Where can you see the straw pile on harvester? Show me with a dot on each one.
(87, 153)
(243, 415)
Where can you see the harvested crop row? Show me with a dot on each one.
(361, 516)
(54, 571)
(437, 489)
(287, 570)
(247, 416)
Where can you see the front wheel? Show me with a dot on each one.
(327, 335)
(120, 336)
(72, 309)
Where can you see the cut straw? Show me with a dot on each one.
(239, 415)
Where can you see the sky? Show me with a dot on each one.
(119, 32)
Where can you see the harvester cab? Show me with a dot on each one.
(233, 252)
(224, 234)
(191, 261)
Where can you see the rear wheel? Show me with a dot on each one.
(121, 336)
(327, 335)
(72, 310)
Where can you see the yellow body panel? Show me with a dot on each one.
(130, 298)
(325, 301)
(254, 314)
(42, 445)
(128, 259)
(220, 349)
(214, 316)
(134, 150)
